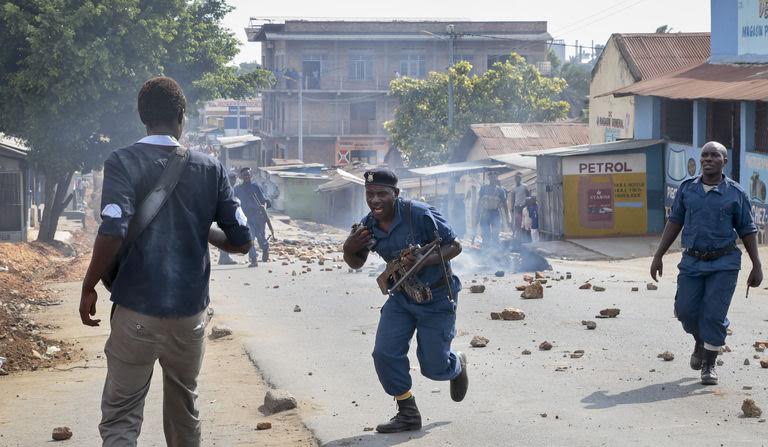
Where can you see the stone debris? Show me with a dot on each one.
(760, 345)
(263, 426)
(368, 429)
(666, 356)
(61, 433)
(276, 401)
(540, 275)
(577, 354)
(750, 409)
(545, 346)
(512, 314)
(651, 286)
(746, 362)
(499, 274)
(598, 288)
(527, 278)
(720, 363)
(220, 331)
(534, 291)
(609, 313)
(478, 341)
(526, 352)
(568, 275)
(478, 288)
(297, 308)
(591, 325)
(521, 287)
(764, 362)
(496, 316)
(635, 289)
(585, 286)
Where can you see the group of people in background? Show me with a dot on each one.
(493, 208)
(250, 196)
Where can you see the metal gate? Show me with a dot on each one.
(11, 218)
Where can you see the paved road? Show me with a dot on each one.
(619, 393)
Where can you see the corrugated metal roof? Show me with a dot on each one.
(402, 36)
(651, 55)
(505, 138)
(740, 82)
(13, 147)
(590, 149)
(343, 179)
(517, 160)
(464, 166)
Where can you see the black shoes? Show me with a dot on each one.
(254, 263)
(697, 357)
(708, 373)
(407, 418)
(460, 384)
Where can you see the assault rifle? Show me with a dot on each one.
(405, 278)
(264, 214)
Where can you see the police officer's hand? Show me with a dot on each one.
(657, 266)
(408, 261)
(755, 277)
(358, 240)
(88, 307)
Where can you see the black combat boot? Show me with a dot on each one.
(407, 418)
(708, 373)
(460, 383)
(697, 357)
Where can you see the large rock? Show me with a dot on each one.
(545, 346)
(585, 286)
(534, 291)
(651, 286)
(750, 409)
(609, 313)
(512, 314)
(477, 288)
(478, 341)
(279, 400)
(61, 433)
(666, 356)
(220, 331)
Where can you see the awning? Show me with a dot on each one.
(228, 141)
(464, 166)
(516, 160)
(588, 149)
(343, 180)
(731, 82)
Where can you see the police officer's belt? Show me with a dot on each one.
(710, 255)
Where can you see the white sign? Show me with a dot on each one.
(604, 164)
(753, 27)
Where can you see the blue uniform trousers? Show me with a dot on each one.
(435, 326)
(702, 302)
(256, 228)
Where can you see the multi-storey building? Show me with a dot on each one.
(334, 76)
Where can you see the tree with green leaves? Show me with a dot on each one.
(70, 71)
(511, 91)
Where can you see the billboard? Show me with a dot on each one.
(754, 184)
(753, 27)
(605, 195)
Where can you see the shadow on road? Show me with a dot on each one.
(381, 440)
(647, 394)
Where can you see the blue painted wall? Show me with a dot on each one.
(724, 28)
(647, 117)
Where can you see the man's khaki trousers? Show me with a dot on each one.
(135, 343)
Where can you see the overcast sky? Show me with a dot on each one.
(583, 20)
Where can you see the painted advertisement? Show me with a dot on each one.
(754, 184)
(753, 27)
(682, 163)
(605, 195)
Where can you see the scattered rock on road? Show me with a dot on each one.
(540, 275)
(577, 354)
(589, 324)
(609, 313)
(521, 287)
(500, 274)
(750, 409)
(512, 314)
(496, 316)
(220, 331)
(545, 346)
(526, 352)
(263, 426)
(764, 362)
(666, 356)
(651, 286)
(276, 401)
(585, 286)
(635, 289)
(297, 308)
(478, 341)
(478, 288)
(534, 291)
(598, 288)
(61, 433)
(368, 429)
(746, 362)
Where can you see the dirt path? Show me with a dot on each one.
(231, 392)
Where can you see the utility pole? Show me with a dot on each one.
(451, 43)
(301, 116)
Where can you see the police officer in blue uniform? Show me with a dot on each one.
(712, 211)
(392, 226)
(224, 257)
(251, 197)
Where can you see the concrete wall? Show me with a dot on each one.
(612, 73)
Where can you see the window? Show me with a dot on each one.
(313, 67)
(723, 123)
(360, 67)
(677, 120)
(413, 65)
(366, 156)
(761, 127)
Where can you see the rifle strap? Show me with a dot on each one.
(408, 214)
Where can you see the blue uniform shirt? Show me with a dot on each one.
(712, 220)
(165, 272)
(245, 192)
(425, 219)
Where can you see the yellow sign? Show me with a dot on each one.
(605, 195)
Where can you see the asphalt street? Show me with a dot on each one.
(618, 393)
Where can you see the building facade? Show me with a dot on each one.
(333, 77)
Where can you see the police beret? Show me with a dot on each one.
(381, 176)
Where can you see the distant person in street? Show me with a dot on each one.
(491, 210)
(519, 193)
(254, 205)
(712, 211)
(392, 226)
(160, 293)
(224, 257)
(531, 219)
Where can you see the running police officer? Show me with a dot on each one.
(224, 257)
(393, 225)
(711, 210)
(251, 199)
